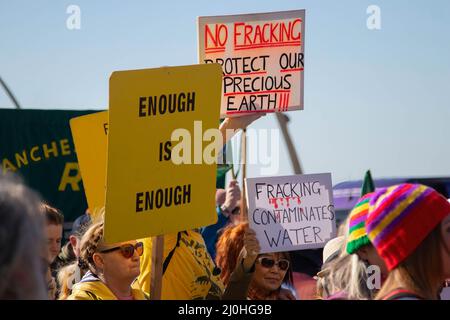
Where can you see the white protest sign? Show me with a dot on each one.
(262, 58)
(291, 213)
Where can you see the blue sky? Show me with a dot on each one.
(377, 99)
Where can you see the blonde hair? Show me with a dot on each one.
(66, 277)
(421, 273)
(88, 246)
(346, 273)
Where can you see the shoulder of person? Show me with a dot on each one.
(402, 294)
(138, 294)
(91, 290)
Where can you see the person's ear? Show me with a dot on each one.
(98, 260)
(73, 241)
(363, 253)
(74, 244)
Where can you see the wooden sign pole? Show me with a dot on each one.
(157, 268)
(244, 216)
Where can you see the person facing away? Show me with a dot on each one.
(362, 250)
(22, 242)
(409, 225)
(70, 253)
(343, 276)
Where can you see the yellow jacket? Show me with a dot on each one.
(92, 288)
(191, 273)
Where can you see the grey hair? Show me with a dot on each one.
(21, 241)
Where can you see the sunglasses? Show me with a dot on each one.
(127, 250)
(268, 263)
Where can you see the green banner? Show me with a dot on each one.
(37, 145)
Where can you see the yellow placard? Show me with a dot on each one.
(90, 136)
(147, 193)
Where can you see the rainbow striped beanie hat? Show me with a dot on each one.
(401, 217)
(357, 235)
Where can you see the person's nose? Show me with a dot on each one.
(54, 246)
(135, 256)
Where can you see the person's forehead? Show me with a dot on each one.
(54, 228)
(118, 244)
(273, 255)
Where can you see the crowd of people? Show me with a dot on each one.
(394, 245)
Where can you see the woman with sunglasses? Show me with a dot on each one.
(270, 270)
(112, 268)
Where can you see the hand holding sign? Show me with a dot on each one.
(250, 251)
(241, 122)
(233, 195)
(234, 124)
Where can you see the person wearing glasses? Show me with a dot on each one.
(111, 268)
(272, 273)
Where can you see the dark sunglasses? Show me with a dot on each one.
(268, 263)
(127, 250)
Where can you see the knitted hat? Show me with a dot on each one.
(401, 217)
(357, 235)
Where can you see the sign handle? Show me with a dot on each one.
(157, 268)
(244, 216)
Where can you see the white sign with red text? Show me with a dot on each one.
(262, 58)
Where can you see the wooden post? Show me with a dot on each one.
(283, 121)
(157, 268)
(244, 216)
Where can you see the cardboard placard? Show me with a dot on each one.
(262, 58)
(291, 213)
(147, 193)
(90, 136)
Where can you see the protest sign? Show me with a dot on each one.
(262, 59)
(149, 192)
(291, 212)
(90, 136)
